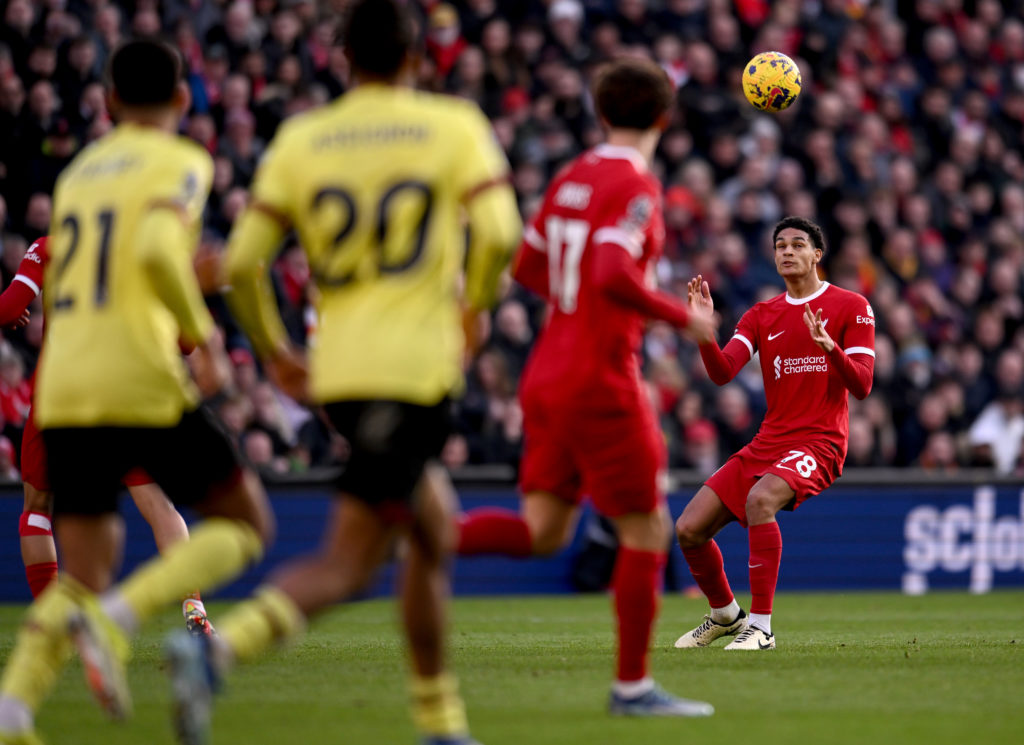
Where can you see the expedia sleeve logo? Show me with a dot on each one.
(868, 318)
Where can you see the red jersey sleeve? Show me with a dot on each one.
(33, 266)
(854, 353)
(27, 284)
(723, 364)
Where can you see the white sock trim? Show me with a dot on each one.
(761, 621)
(726, 614)
(633, 688)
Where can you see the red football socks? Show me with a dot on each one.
(765, 557)
(637, 587)
(708, 572)
(40, 576)
(492, 530)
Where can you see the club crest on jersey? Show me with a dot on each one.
(638, 213)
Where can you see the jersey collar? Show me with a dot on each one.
(620, 152)
(803, 300)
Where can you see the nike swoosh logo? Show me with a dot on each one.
(787, 468)
(763, 646)
(775, 336)
(752, 566)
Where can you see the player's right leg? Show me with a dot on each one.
(35, 534)
(168, 528)
(35, 528)
(437, 707)
(696, 528)
(636, 585)
(549, 509)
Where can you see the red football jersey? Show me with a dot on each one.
(587, 354)
(807, 399)
(33, 265)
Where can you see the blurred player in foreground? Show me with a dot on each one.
(377, 186)
(35, 528)
(798, 452)
(113, 392)
(589, 426)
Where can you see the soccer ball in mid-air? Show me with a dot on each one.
(771, 81)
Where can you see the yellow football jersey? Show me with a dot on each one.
(111, 354)
(375, 186)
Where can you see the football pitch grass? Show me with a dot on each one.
(850, 668)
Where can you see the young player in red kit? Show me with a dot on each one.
(589, 427)
(38, 551)
(816, 345)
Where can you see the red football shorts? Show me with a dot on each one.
(808, 469)
(33, 460)
(33, 455)
(617, 460)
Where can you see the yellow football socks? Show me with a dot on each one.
(218, 550)
(43, 645)
(437, 708)
(252, 626)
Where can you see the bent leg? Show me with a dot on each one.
(700, 522)
(544, 525)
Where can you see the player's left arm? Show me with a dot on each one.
(252, 245)
(855, 359)
(165, 243)
(491, 211)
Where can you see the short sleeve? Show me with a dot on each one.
(859, 333)
(481, 160)
(33, 266)
(746, 330)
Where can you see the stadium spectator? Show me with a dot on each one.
(907, 145)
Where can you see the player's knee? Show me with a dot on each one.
(688, 533)
(38, 501)
(760, 506)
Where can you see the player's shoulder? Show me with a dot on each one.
(849, 299)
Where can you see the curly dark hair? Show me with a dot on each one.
(801, 223)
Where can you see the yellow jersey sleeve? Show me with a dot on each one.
(491, 212)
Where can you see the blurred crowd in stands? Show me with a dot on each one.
(907, 145)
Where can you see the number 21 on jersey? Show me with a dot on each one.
(566, 240)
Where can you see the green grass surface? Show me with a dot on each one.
(850, 668)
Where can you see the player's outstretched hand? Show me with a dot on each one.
(816, 326)
(698, 297)
(287, 369)
(702, 324)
